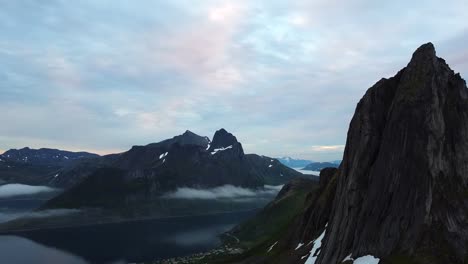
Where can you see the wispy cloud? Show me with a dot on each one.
(328, 148)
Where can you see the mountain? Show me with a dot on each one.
(400, 194)
(318, 166)
(403, 182)
(37, 166)
(294, 163)
(45, 156)
(144, 173)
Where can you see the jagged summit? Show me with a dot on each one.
(424, 51)
(224, 140)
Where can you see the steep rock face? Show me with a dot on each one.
(403, 181)
(223, 140)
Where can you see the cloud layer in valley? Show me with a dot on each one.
(283, 76)
(16, 189)
(222, 192)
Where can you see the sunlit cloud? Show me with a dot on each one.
(328, 148)
(298, 20)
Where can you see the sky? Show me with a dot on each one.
(283, 76)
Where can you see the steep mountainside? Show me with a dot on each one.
(145, 172)
(401, 190)
(403, 181)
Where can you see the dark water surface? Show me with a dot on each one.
(135, 241)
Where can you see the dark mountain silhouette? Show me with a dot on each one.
(38, 166)
(145, 172)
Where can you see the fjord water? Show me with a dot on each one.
(133, 241)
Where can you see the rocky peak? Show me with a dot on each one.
(223, 140)
(424, 55)
(403, 181)
(187, 138)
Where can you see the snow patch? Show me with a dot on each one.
(348, 258)
(299, 246)
(56, 175)
(163, 155)
(269, 166)
(272, 246)
(220, 149)
(367, 260)
(315, 251)
(65, 157)
(207, 148)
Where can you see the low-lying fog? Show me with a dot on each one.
(223, 192)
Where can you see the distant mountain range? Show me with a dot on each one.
(294, 163)
(38, 166)
(45, 156)
(135, 183)
(145, 172)
(318, 166)
(307, 164)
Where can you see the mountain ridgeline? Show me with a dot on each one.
(145, 173)
(401, 193)
(38, 166)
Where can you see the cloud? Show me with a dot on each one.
(328, 148)
(15, 189)
(221, 192)
(282, 76)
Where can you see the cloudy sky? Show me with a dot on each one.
(283, 76)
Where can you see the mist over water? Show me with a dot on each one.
(7, 216)
(16, 189)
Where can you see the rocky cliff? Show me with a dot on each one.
(402, 186)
